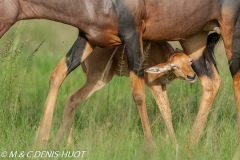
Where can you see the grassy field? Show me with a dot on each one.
(107, 125)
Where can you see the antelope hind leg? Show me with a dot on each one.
(72, 60)
(209, 79)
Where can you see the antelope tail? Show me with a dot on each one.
(212, 41)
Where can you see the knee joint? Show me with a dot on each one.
(71, 105)
(236, 80)
(213, 86)
(139, 98)
(218, 82)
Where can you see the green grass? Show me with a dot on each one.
(107, 125)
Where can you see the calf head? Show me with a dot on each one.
(179, 64)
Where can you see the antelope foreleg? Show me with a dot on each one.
(134, 51)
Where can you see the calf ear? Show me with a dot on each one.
(177, 50)
(158, 69)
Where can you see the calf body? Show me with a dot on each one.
(113, 62)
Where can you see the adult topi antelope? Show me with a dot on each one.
(162, 63)
(108, 23)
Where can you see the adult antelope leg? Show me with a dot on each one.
(230, 30)
(79, 51)
(70, 133)
(159, 93)
(93, 83)
(134, 52)
(209, 78)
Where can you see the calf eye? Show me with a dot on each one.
(191, 62)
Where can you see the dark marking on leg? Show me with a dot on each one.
(202, 66)
(74, 55)
(212, 41)
(234, 63)
(128, 33)
(134, 57)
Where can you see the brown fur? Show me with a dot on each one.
(113, 62)
(153, 20)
